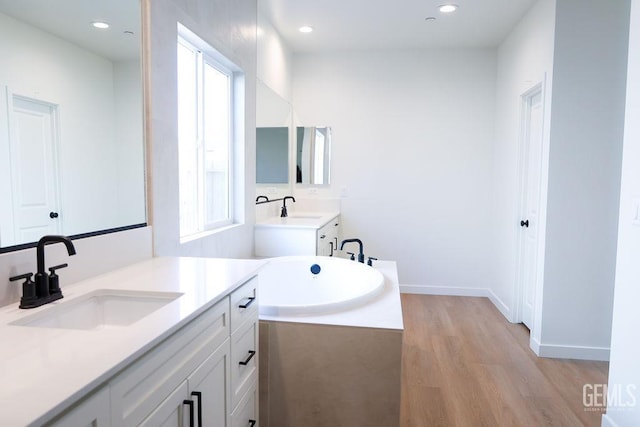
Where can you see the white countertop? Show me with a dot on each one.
(44, 370)
(314, 220)
(384, 311)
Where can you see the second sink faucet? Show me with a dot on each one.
(283, 212)
(359, 242)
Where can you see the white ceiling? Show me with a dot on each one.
(71, 19)
(392, 24)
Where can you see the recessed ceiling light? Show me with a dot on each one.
(100, 25)
(305, 29)
(448, 8)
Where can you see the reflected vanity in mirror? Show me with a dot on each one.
(313, 155)
(71, 119)
(273, 118)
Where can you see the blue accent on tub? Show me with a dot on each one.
(315, 269)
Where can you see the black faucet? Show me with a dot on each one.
(283, 212)
(266, 199)
(46, 288)
(359, 242)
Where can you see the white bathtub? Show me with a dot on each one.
(288, 287)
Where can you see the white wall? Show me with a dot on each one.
(525, 58)
(274, 58)
(411, 154)
(230, 27)
(624, 369)
(585, 152)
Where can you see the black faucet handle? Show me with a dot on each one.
(370, 261)
(29, 298)
(26, 276)
(353, 256)
(57, 267)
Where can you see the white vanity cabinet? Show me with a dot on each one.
(327, 238)
(206, 373)
(196, 353)
(302, 235)
(93, 411)
(148, 389)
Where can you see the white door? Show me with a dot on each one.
(532, 121)
(34, 171)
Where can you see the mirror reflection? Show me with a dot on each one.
(313, 155)
(273, 119)
(71, 124)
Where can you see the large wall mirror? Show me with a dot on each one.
(273, 136)
(71, 118)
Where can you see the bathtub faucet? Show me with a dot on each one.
(283, 213)
(359, 242)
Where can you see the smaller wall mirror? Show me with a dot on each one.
(273, 120)
(313, 155)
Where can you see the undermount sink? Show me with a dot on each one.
(100, 309)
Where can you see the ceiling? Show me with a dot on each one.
(392, 24)
(71, 19)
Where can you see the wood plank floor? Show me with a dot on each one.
(464, 364)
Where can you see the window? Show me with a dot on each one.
(205, 135)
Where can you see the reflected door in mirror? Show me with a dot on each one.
(313, 155)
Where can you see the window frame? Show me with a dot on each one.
(208, 56)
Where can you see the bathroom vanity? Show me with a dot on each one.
(191, 356)
(302, 233)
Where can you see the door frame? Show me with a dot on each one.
(524, 111)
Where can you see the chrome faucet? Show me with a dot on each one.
(359, 242)
(283, 212)
(45, 288)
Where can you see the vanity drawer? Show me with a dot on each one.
(244, 303)
(140, 388)
(244, 360)
(246, 414)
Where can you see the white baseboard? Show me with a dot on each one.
(460, 292)
(570, 351)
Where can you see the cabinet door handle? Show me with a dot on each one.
(248, 303)
(248, 359)
(331, 244)
(190, 403)
(198, 395)
(336, 244)
(252, 423)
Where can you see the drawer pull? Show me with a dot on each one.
(198, 396)
(190, 403)
(323, 236)
(252, 423)
(248, 303)
(248, 359)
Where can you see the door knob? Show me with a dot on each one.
(53, 215)
(524, 223)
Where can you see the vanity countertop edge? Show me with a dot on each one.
(45, 370)
(308, 220)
